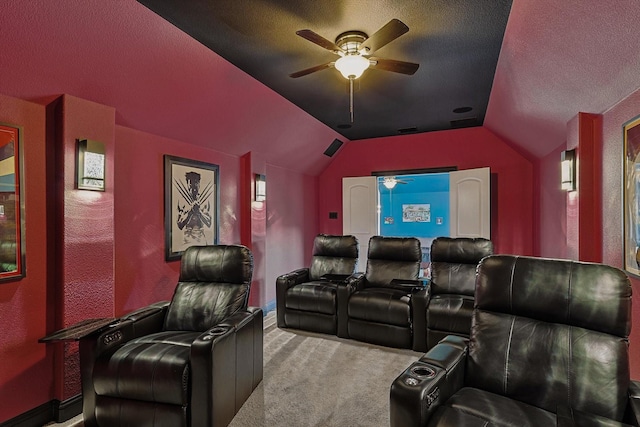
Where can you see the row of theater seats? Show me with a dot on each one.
(387, 304)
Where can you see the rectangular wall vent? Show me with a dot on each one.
(331, 150)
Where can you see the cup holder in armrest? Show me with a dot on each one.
(335, 278)
(216, 331)
(422, 372)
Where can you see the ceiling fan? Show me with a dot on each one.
(355, 49)
(391, 181)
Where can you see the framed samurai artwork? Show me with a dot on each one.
(191, 200)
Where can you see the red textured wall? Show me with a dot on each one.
(553, 205)
(26, 378)
(292, 223)
(512, 203)
(85, 285)
(612, 122)
(142, 275)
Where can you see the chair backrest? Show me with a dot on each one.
(552, 333)
(214, 283)
(454, 262)
(392, 258)
(333, 255)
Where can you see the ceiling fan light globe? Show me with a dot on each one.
(352, 66)
(389, 182)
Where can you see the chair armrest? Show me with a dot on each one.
(408, 285)
(283, 283)
(422, 387)
(355, 282)
(335, 278)
(419, 302)
(148, 320)
(293, 278)
(633, 414)
(141, 322)
(138, 323)
(344, 290)
(213, 361)
(449, 354)
(227, 364)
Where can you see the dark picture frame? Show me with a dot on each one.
(12, 240)
(631, 196)
(191, 200)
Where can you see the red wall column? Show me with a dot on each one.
(253, 224)
(589, 181)
(584, 214)
(84, 285)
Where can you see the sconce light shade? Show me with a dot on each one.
(261, 188)
(568, 165)
(90, 160)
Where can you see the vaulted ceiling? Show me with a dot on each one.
(555, 59)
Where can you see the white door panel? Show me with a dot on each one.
(469, 196)
(360, 212)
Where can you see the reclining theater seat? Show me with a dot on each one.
(308, 298)
(190, 362)
(548, 346)
(387, 304)
(453, 281)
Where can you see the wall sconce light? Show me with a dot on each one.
(261, 188)
(568, 162)
(90, 159)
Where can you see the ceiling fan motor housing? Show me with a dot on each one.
(350, 42)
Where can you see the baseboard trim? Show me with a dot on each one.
(67, 409)
(54, 410)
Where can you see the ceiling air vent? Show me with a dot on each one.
(464, 123)
(407, 130)
(331, 150)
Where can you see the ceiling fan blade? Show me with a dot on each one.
(396, 66)
(311, 70)
(391, 31)
(319, 40)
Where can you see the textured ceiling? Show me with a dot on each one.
(456, 43)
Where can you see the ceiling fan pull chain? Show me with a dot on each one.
(351, 98)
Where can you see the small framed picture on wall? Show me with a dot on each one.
(191, 202)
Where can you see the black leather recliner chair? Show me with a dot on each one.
(191, 362)
(387, 303)
(453, 282)
(548, 346)
(307, 298)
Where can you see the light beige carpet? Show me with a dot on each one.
(316, 380)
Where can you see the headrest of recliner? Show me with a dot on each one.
(395, 249)
(335, 246)
(217, 263)
(460, 250)
(587, 295)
